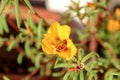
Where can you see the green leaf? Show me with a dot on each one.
(90, 77)
(56, 74)
(56, 61)
(5, 78)
(1, 28)
(49, 68)
(38, 57)
(39, 34)
(103, 3)
(17, 12)
(29, 5)
(74, 59)
(11, 46)
(75, 77)
(31, 24)
(63, 65)
(40, 26)
(80, 54)
(4, 24)
(24, 31)
(103, 62)
(109, 73)
(81, 75)
(93, 62)
(30, 69)
(28, 49)
(19, 58)
(3, 4)
(117, 73)
(89, 56)
(12, 43)
(81, 35)
(111, 76)
(93, 12)
(66, 76)
(116, 64)
(92, 74)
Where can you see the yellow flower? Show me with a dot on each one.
(57, 41)
(113, 25)
(117, 11)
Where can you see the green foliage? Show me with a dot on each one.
(37, 60)
(112, 74)
(77, 69)
(66, 76)
(88, 56)
(5, 78)
(17, 12)
(12, 43)
(29, 5)
(56, 74)
(4, 3)
(81, 77)
(4, 26)
(80, 54)
(63, 65)
(19, 59)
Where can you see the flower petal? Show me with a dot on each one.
(63, 32)
(46, 47)
(65, 54)
(72, 46)
(53, 29)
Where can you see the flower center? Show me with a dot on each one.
(61, 46)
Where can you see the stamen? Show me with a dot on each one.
(61, 46)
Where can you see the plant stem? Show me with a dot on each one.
(18, 48)
(29, 76)
(107, 48)
(44, 21)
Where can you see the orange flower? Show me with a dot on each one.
(117, 11)
(57, 41)
(91, 5)
(113, 25)
(29, 30)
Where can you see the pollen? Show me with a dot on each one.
(61, 46)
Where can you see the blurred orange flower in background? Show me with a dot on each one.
(91, 5)
(117, 11)
(57, 41)
(113, 25)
